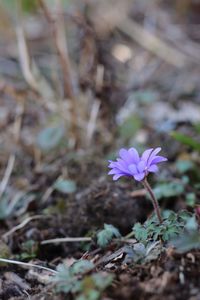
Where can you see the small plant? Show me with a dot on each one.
(105, 236)
(29, 250)
(14, 206)
(173, 225)
(132, 165)
(190, 239)
(78, 281)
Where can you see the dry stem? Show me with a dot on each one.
(63, 55)
(154, 200)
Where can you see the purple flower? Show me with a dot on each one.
(132, 165)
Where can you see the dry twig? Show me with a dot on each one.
(20, 263)
(67, 240)
(21, 225)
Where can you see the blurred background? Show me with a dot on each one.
(80, 79)
(84, 73)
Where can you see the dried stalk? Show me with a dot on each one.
(29, 68)
(152, 43)
(67, 240)
(153, 199)
(58, 32)
(20, 263)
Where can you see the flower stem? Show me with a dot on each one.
(154, 200)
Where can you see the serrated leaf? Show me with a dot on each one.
(184, 215)
(102, 281)
(140, 232)
(65, 186)
(105, 236)
(82, 266)
(50, 137)
(65, 281)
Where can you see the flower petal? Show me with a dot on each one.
(114, 171)
(153, 169)
(128, 157)
(115, 177)
(141, 166)
(123, 153)
(139, 177)
(158, 159)
(133, 169)
(122, 165)
(112, 164)
(134, 155)
(146, 154)
(153, 154)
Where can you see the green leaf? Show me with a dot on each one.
(130, 127)
(173, 224)
(191, 224)
(184, 165)
(50, 137)
(65, 186)
(82, 266)
(105, 236)
(197, 127)
(167, 190)
(146, 96)
(140, 232)
(4, 250)
(14, 206)
(184, 215)
(190, 199)
(186, 140)
(186, 242)
(65, 281)
(102, 281)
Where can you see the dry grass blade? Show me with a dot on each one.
(92, 121)
(63, 55)
(21, 225)
(67, 240)
(8, 172)
(153, 43)
(20, 263)
(29, 68)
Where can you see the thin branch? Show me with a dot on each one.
(138, 193)
(21, 225)
(20, 263)
(67, 240)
